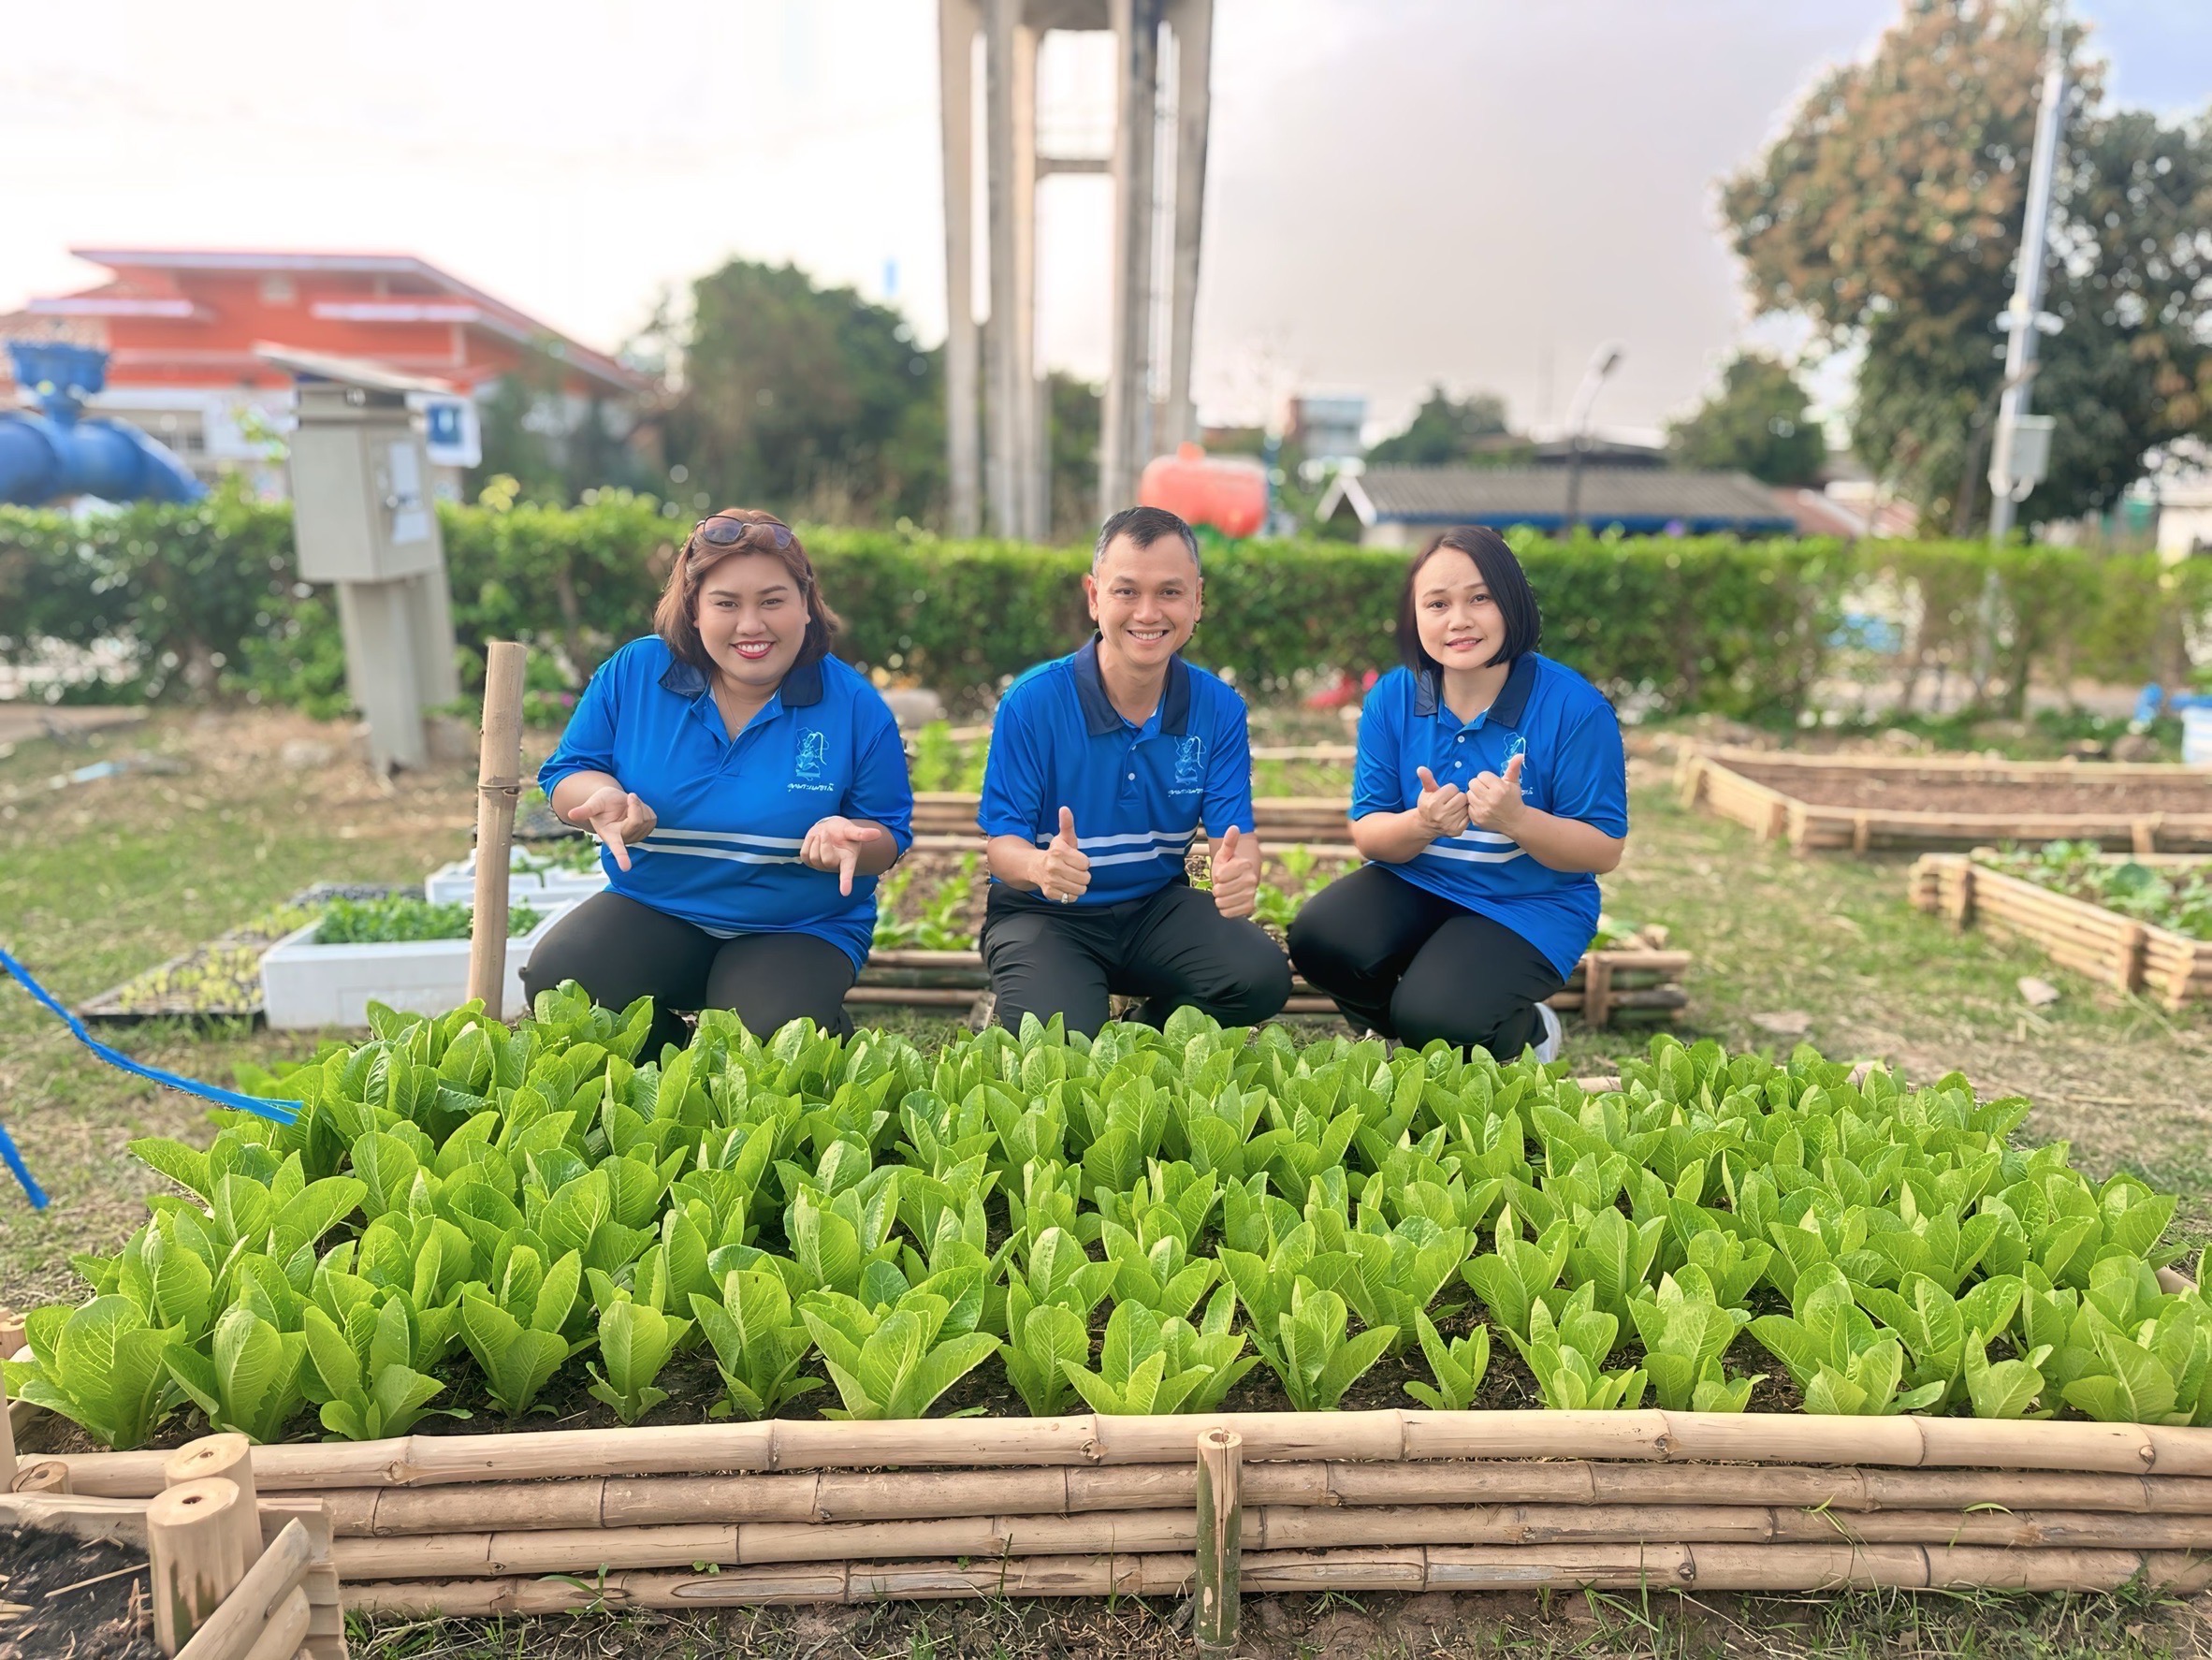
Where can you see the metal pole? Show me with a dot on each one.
(1601, 364)
(2035, 224)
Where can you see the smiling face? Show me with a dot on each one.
(751, 619)
(1145, 600)
(1461, 625)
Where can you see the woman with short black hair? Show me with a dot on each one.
(748, 788)
(1490, 790)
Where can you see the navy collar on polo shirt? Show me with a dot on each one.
(801, 688)
(1507, 708)
(1101, 717)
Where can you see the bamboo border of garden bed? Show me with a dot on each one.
(1637, 983)
(1092, 1505)
(2117, 950)
(1709, 776)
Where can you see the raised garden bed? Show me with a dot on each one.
(932, 905)
(1268, 1225)
(222, 978)
(947, 817)
(308, 984)
(2124, 951)
(558, 870)
(1855, 803)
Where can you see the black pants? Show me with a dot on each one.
(1171, 948)
(1405, 963)
(619, 950)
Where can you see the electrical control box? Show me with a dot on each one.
(360, 487)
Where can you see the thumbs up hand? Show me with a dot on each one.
(1441, 807)
(1064, 873)
(1493, 799)
(1236, 874)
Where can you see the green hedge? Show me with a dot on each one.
(204, 598)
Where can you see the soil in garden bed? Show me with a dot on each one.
(61, 1595)
(2089, 793)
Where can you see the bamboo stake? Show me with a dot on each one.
(1219, 1542)
(228, 1457)
(499, 786)
(258, 1597)
(193, 1550)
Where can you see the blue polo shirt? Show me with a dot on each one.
(1139, 792)
(1572, 766)
(732, 811)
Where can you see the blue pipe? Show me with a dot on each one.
(56, 454)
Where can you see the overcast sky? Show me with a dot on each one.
(1475, 192)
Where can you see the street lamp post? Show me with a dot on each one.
(1602, 363)
(2015, 467)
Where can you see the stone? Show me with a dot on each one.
(306, 754)
(2040, 994)
(914, 705)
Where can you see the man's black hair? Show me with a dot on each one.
(1144, 526)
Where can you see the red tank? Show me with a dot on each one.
(1229, 494)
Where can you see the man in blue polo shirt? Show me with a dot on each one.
(1103, 766)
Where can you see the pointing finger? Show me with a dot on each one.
(612, 842)
(848, 857)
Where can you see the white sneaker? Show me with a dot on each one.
(1548, 1046)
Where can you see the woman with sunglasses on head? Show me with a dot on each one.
(1490, 792)
(748, 788)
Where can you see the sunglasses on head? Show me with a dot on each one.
(737, 532)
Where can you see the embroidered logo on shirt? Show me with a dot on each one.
(813, 751)
(1190, 761)
(812, 761)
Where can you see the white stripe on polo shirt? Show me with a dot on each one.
(733, 836)
(1170, 837)
(1172, 855)
(736, 856)
(1470, 856)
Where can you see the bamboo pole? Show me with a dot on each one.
(811, 1497)
(1710, 1567)
(6, 1439)
(1386, 1435)
(228, 1457)
(46, 1475)
(192, 1551)
(1219, 1543)
(499, 786)
(261, 1595)
(287, 1630)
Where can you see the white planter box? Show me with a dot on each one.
(306, 985)
(456, 884)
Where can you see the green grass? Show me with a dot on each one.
(100, 881)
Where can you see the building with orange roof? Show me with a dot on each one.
(182, 328)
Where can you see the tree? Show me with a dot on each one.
(555, 447)
(1448, 432)
(1756, 423)
(814, 403)
(1888, 215)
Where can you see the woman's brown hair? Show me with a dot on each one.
(675, 617)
